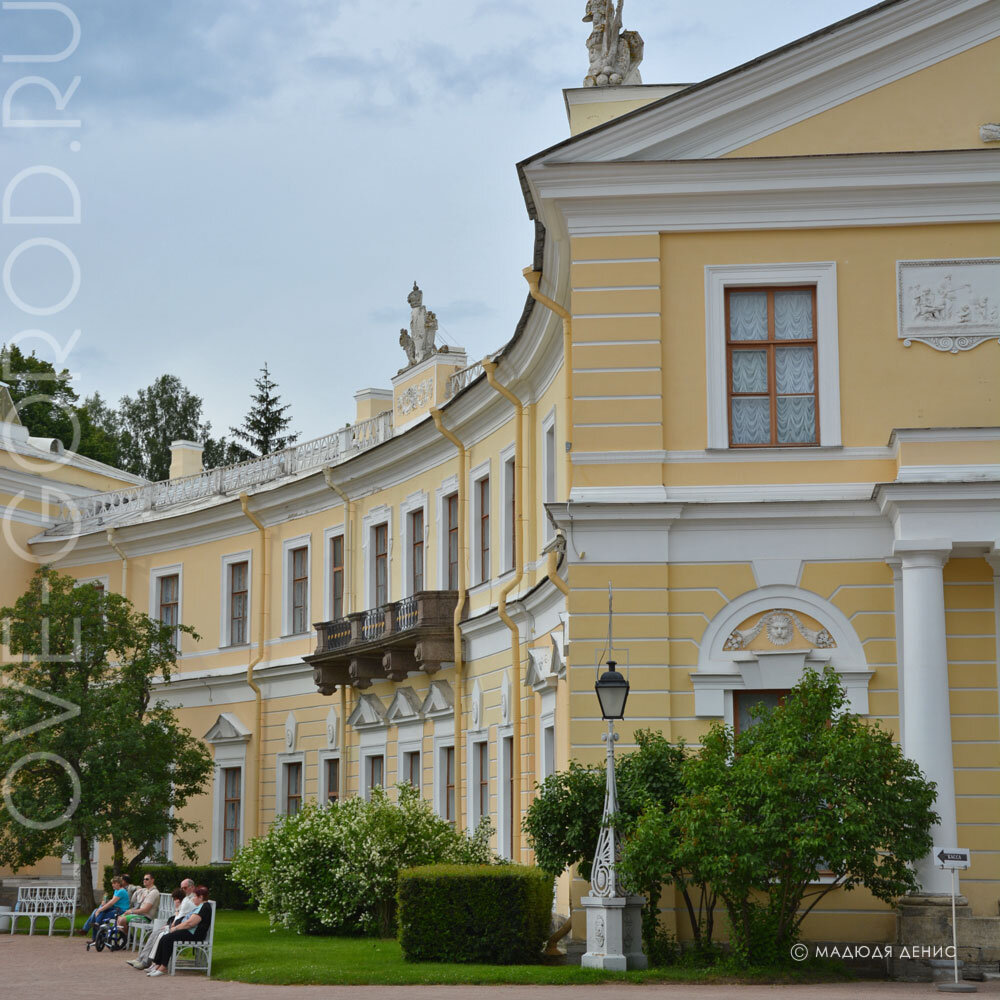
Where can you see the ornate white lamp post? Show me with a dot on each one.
(614, 919)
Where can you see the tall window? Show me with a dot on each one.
(411, 768)
(381, 533)
(293, 788)
(483, 779)
(238, 606)
(376, 771)
(300, 590)
(337, 576)
(332, 779)
(449, 783)
(549, 460)
(230, 812)
(549, 751)
(508, 759)
(745, 701)
(510, 498)
(771, 350)
(452, 508)
(483, 488)
(416, 550)
(169, 601)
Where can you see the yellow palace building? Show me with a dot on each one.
(755, 387)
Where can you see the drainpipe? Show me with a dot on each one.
(463, 557)
(533, 278)
(552, 568)
(515, 636)
(253, 685)
(345, 746)
(121, 555)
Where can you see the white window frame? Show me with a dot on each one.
(822, 275)
(550, 468)
(472, 776)
(329, 534)
(414, 502)
(280, 782)
(225, 639)
(227, 755)
(375, 517)
(442, 743)
(508, 480)
(446, 489)
(324, 787)
(476, 476)
(155, 576)
(288, 546)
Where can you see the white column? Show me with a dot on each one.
(925, 701)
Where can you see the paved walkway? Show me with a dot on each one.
(60, 969)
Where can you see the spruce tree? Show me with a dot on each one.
(263, 426)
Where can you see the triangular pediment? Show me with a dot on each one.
(227, 729)
(929, 59)
(368, 712)
(539, 674)
(404, 707)
(440, 700)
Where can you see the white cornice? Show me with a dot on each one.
(789, 86)
(773, 193)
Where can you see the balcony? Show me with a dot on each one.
(386, 643)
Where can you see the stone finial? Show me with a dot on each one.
(614, 54)
(419, 342)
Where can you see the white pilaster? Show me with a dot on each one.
(925, 701)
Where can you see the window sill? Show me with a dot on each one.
(296, 635)
(233, 645)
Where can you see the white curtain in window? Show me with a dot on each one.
(796, 419)
(748, 316)
(793, 315)
(750, 371)
(751, 420)
(793, 369)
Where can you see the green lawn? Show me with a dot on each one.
(247, 951)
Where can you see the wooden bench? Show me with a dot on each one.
(50, 901)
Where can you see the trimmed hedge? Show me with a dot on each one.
(226, 893)
(497, 914)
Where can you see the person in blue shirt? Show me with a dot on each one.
(110, 909)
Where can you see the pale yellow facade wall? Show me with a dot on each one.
(940, 107)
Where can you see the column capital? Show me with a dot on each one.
(922, 551)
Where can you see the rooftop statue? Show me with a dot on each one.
(614, 54)
(419, 342)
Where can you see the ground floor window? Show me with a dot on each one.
(293, 788)
(376, 771)
(231, 781)
(332, 779)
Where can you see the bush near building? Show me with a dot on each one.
(474, 913)
(332, 869)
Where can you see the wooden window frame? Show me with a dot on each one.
(451, 540)
(239, 625)
(769, 346)
(483, 765)
(370, 767)
(175, 604)
(332, 765)
(380, 537)
(226, 800)
(416, 526)
(336, 577)
(411, 761)
(449, 783)
(507, 748)
(484, 528)
(293, 796)
(298, 560)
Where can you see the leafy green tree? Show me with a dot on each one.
(165, 411)
(563, 821)
(86, 751)
(809, 787)
(47, 405)
(264, 426)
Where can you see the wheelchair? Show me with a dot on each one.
(109, 936)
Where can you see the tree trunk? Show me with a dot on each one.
(87, 901)
(117, 855)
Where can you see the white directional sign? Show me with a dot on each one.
(952, 857)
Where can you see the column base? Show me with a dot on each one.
(614, 933)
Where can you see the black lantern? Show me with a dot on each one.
(612, 692)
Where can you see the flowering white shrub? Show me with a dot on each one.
(333, 869)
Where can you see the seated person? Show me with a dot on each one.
(183, 905)
(109, 910)
(193, 927)
(145, 904)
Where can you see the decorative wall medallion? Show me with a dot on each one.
(599, 931)
(950, 305)
(415, 396)
(476, 709)
(331, 729)
(291, 731)
(781, 625)
(505, 700)
(990, 132)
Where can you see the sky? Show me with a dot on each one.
(263, 180)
